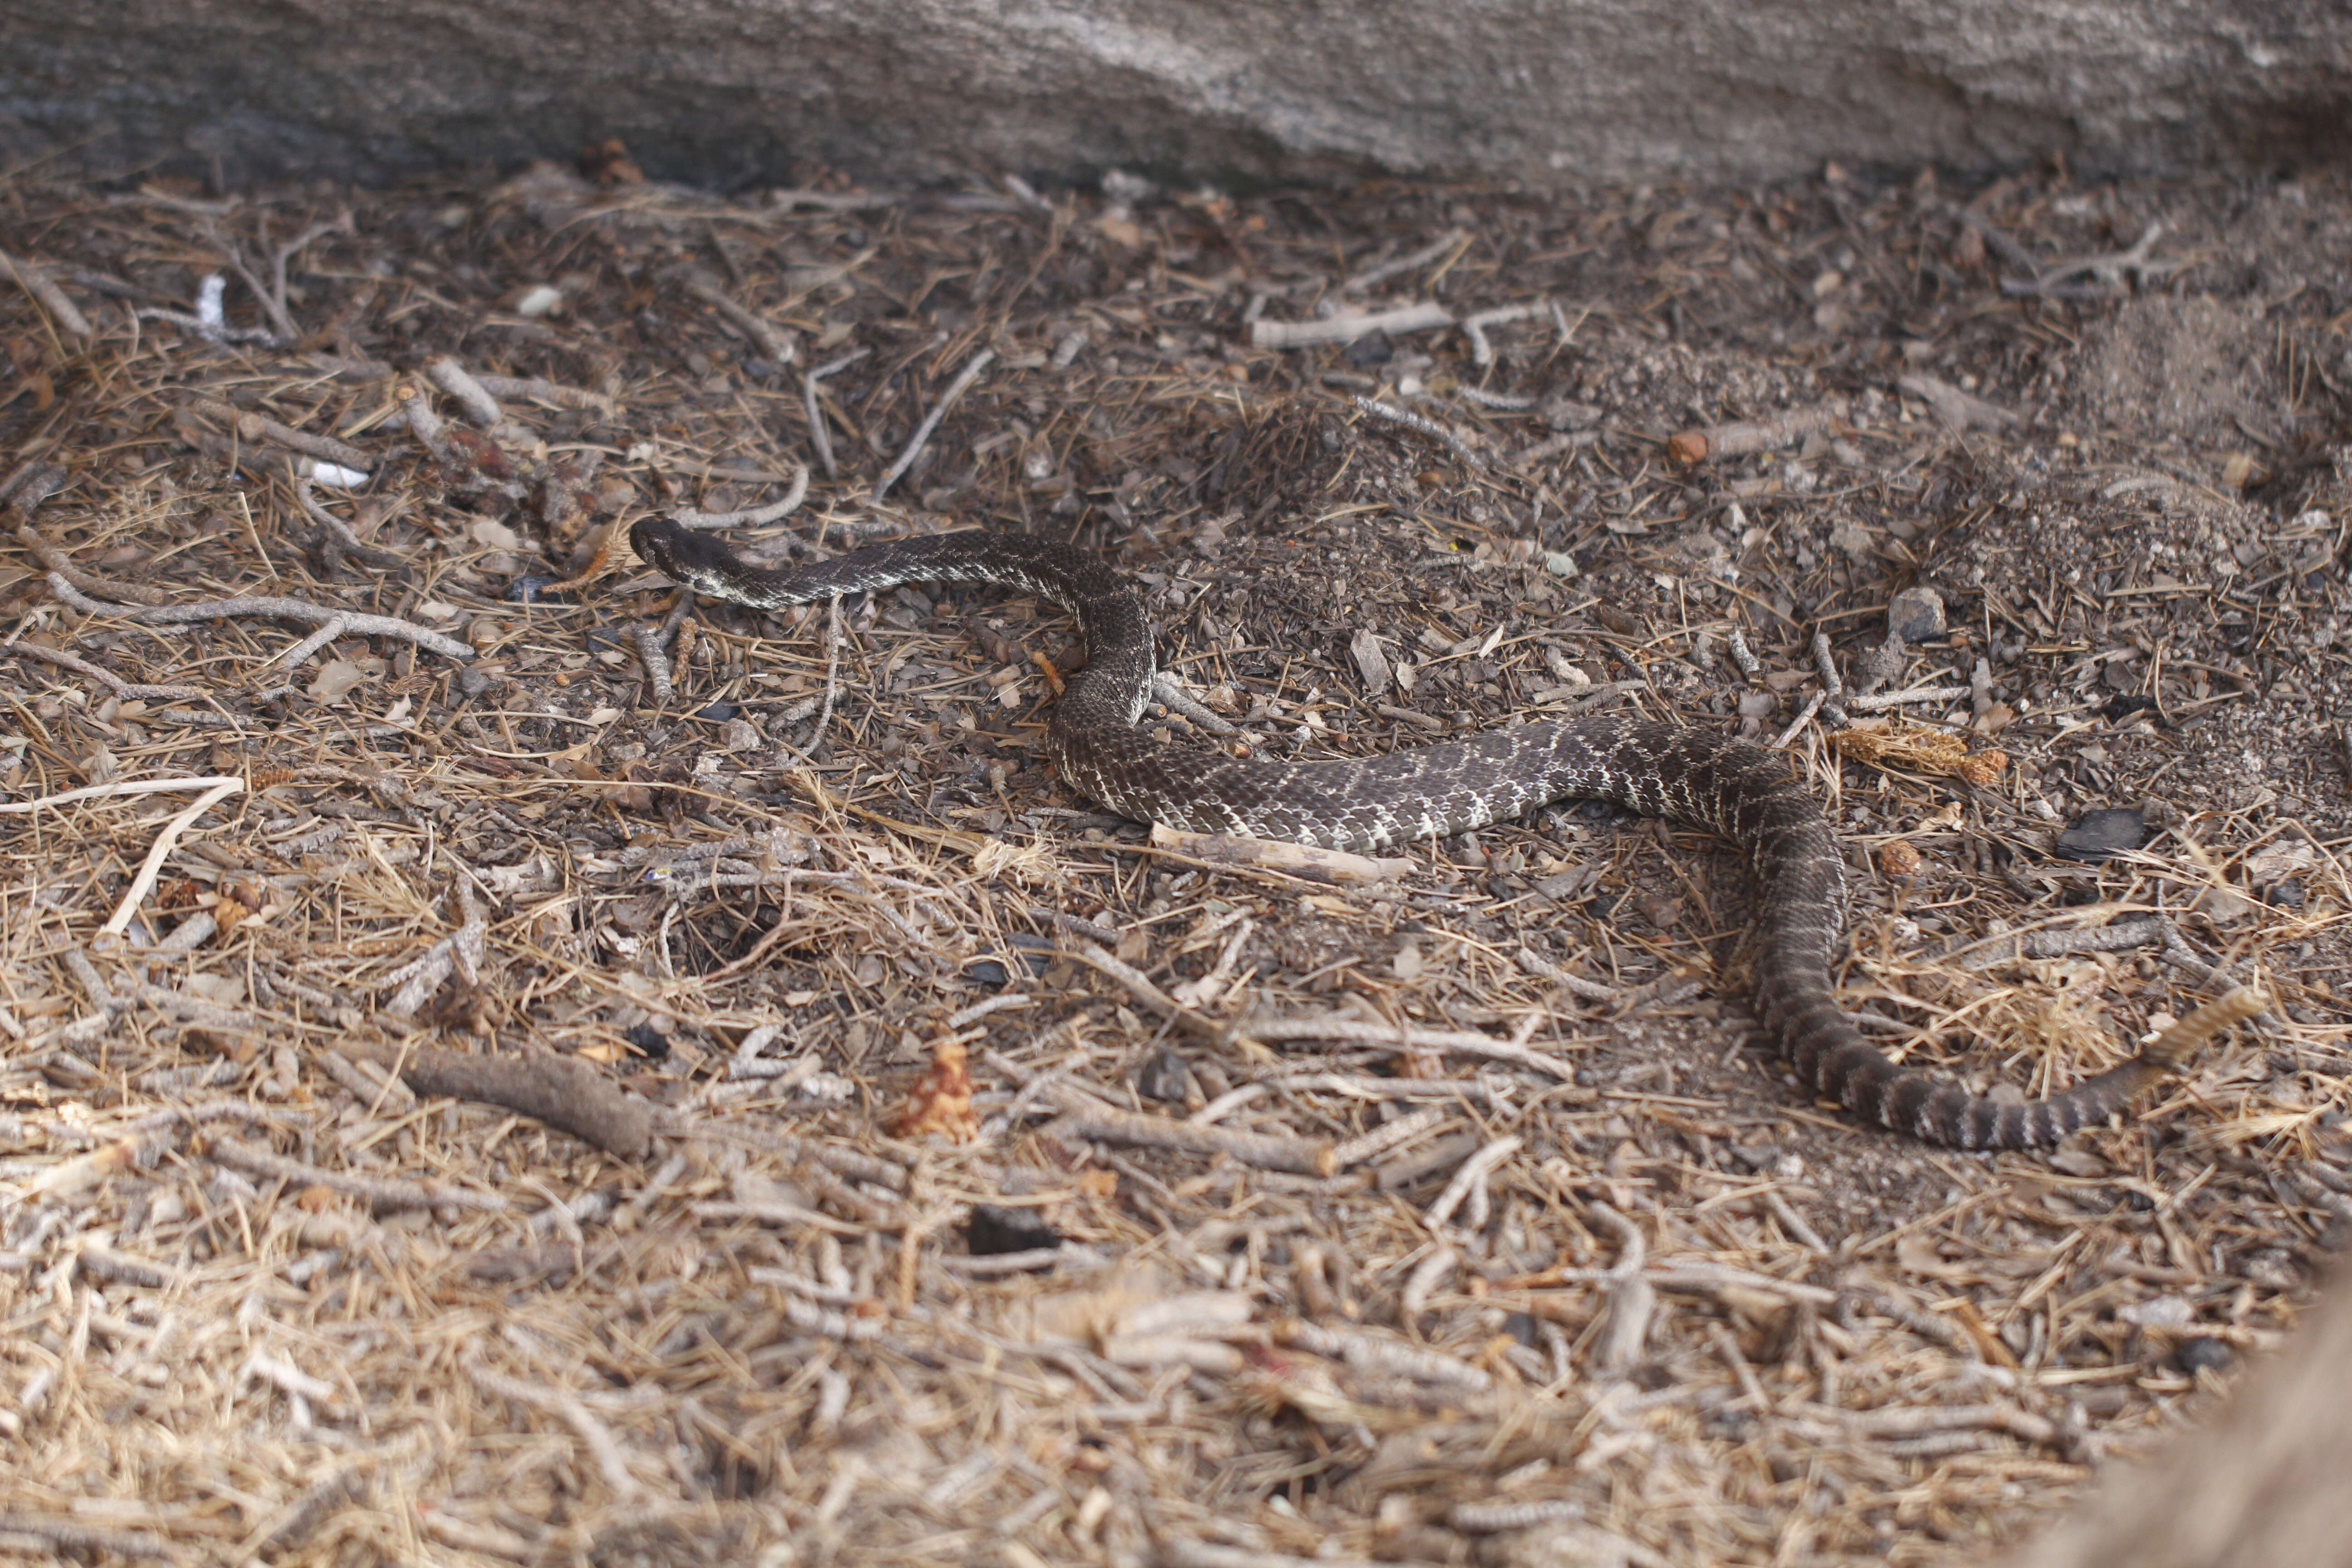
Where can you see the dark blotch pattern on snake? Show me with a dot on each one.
(1728, 786)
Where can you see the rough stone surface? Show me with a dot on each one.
(1220, 89)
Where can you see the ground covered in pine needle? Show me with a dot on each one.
(499, 1064)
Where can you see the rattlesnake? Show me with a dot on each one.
(1728, 786)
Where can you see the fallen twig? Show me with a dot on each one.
(770, 340)
(1956, 408)
(383, 1192)
(564, 1403)
(922, 435)
(1429, 428)
(1337, 867)
(480, 408)
(819, 437)
(336, 529)
(127, 689)
(145, 880)
(564, 1092)
(251, 426)
(1366, 1032)
(283, 609)
(538, 389)
(754, 517)
(1481, 353)
(1084, 1116)
(1744, 437)
(1347, 329)
(1874, 701)
(123, 786)
(33, 279)
(1170, 692)
(1398, 266)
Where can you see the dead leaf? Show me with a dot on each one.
(335, 677)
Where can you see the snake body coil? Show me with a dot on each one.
(1738, 791)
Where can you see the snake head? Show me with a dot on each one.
(671, 549)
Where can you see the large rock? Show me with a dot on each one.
(1221, 88)
(2261, 1486)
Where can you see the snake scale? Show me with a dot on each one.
(1740, 792)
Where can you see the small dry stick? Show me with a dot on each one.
(1750, 665)
(123, 786)
(1574, 984)
(210, 320)
(1745, 437)
(540, 390)
(128, 691)
(1873, 702)
(1805, 717)
(820, 439)
(255, 1161)
(30, 277)
(1474, 1171)
(1368, 1146)
(772, 340)
(1170, 690)
(970, 373)
(295, 655)
(564, 1092)
(755, 517)
(1988, 950)
(1086, 1117)
(252, 426)
(1429, 428)
(461, 951)
(1956, 408)
(1482, 355)
(1347, 329)
(1401, 265)
(1361, 1031)
(656, 662)
(801, 755)
(1625, 1321)
(143, 883)
(288, 609)
(567, 1406)
(1491, 1518)
(1832, 689)
(307, 498)
(1509, 402)
(426, 425)
(197, 1011)
(66, 1535)
(274, 300)
(471, 395)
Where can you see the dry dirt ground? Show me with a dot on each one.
(952, 1173)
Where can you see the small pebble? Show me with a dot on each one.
(1162, 1077)
(997, 1228)
(648, 1041)
(531, 589)
(1917, 614)
(2201, 1352)
(2102, 835)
